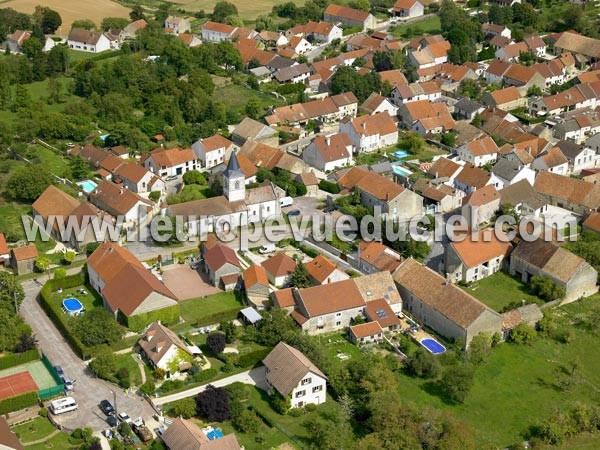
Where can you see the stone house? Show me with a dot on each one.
(256, 286)
(163, 349)
(480, 206)
(279, 269)
(23, 259)
(322, 270)
(220, 261)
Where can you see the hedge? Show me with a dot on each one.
(223, 316)
(167, 316)
(252, 358)
(16, 359)
(18, 402)
(328, 186)
(56, 314)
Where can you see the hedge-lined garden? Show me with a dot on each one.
(18, 402)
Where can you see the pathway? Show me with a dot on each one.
(141, 366)
(44, 439)
(254, 377)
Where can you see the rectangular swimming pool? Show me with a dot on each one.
(87, 185)
(433, 346)
(402, 171)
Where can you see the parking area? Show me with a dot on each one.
(186, 282)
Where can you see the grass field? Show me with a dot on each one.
(430, 25)
(236, 97)
(126, 361)
(193, 311)
(36, 429)
(517, 388)
(500, 290)
(247, 10)
(70, 10)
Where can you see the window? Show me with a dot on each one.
(338, 323)
(306, 381)
(338, 314)
(300, 394)
(318, 388)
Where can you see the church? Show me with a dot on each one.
(236, 207)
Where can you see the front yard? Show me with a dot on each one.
(500, 291)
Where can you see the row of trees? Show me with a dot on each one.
(15, 334)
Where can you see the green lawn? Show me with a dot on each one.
(36, 429)
(130, 364)
(52, 161)
(430, 25)
(517, 388)
(91, 300)
(501, 290)
(337, 344)
(198, 310)
(10, 220)
(61, 441)
(235, 97)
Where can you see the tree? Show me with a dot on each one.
(184, 408)
(104, 364)
(42, 264)
(448, 139)
(27, 342)
(54, 91)
(148, 388)
(137, 12)
(480, 348)
(32, 47)
(97, 327)
(545, 288)
(79, 168)
(22, 98)
(223, 10)
(194, 177)
(476, 122)
(253, 108)
(11, 292)
(523, 334)
(213, 404)
(85, 24)
(412, 142)
(422, 364)
(230, 331)
(60, 273)
(50, 20)
(247, 421)
(216, 343)
(457, 381)
(264, 22)
(117, 23)
(68, 257)
(28, 182)
(363, 5)
(300, 277)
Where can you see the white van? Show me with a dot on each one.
(286, 201)
(63, 405)
(267, 248)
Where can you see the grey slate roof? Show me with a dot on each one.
(464, 104)
(506, 168)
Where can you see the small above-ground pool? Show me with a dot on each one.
(433, 346)
(214, 434)
(72, 306)
(400, 154)
(87, 185)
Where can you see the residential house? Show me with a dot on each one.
(495, 71)
(263, 156)
(479, 152)
(375, 257)
(442, 306)
(477, 256)
(508, 171)
(256, 286)
(256, 131)
(376, 103)
(578, 44)
(213, 150)
(294, 376)
(577, 127)
(377, 191)
(185, 435)
(444, 169)
(279, 268)
(299, 45)
(177, 25)
(593, 143)
(131, 30)
(523, 77)
(579, 96)
(552, 160)
(138, 179)
(14, 41)
(492, 29)
(271, 38)
(322, 270)
(536, 45)
(23, 259)
(328, 110)
(471, 178)
(58, 209)
(366, 333)
(298, 73)
(379, 311)
(529, 314)
(570, 193)
(349, 17)
(121, 152)
(217, 32)
(468, 109)
(505, 99)
(511, 52)
(128, 288)
(8, 439)
(323, 32)
(171, 162)
(407, 9)
(522, 197)
(412, 92)
(220, 262)
(437, 196)
(310, 181)
(163, 349)
(546, 259)
(328, 153)
(190, 40)
(578, 156)
(394, 77)
(123, 204)
(369, 133)
(426, 117)
(88, 41)
(430, 55)
(480, 206)
(4, 251)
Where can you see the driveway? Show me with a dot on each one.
(89, 390)
(186, 282)
(255, 377)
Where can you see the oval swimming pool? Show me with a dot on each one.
(72, 306)
(433, 346)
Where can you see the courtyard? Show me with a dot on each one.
(186, 282)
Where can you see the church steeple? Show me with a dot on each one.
(234, 187)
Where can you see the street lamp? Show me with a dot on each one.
(114, 393)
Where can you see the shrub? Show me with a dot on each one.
(171, 385)
(216, 342)
(60, 273)
(16, 359)
(148, 388)
(18, 402)
(159, 373)
(185, 408)
(43, 412)
(523, 334)
(328, 186)
(247, 421)
(213, 404)
(205, 375)
(252, 358)
(154, 196)
(457, 382)
(422, 364)
(68, 257)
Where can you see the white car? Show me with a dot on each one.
(124, 417)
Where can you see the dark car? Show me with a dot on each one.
(329, 209)
(107, 408)
(294, 212)
(112, 421)
(59, 371)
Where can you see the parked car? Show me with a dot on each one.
(294, 212)
(59, 370)
(267, 248)
(112, 421)
(107, 408)
(329, 209)
(124, 417)
(286, 201)
(171, 178)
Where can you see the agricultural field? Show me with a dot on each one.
(247, 10)
(69, 10)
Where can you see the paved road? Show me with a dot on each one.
(254, 377)
(89, 390)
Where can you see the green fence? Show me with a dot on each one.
(50, 392)
(50, 368)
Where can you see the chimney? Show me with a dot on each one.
(387, 196)
(121, 191)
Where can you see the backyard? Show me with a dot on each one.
(431, 25)
(500, 291)
(235, 98)
(212, 309)
(519, 386)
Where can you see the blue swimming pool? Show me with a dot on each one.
(72, 306)
(215, 434)
(402, 171)
(401, 154)
(87, 185)
(433, 346)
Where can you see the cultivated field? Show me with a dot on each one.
(248, 10)
(71, 10)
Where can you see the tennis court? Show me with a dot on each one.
(16, 384)
(41, 376)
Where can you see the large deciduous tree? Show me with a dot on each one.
(213, 404)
